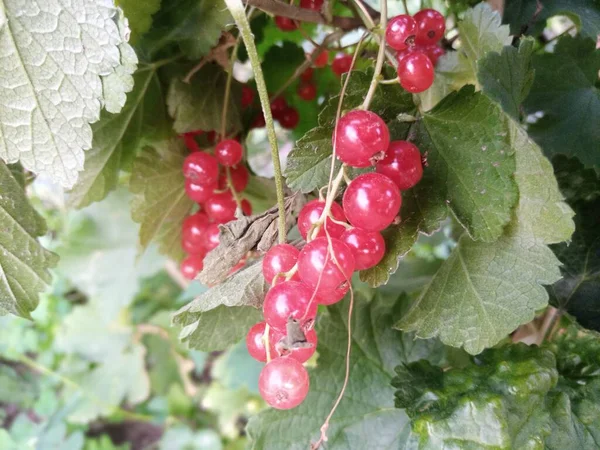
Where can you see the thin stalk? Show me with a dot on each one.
(371, 26)
(237, 11)
(380, 57)
(228, 88)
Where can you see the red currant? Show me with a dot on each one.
(193, 247)
(431, 26)
(279, 259)
(194, 227)
(416, 72)
(300, 354)
(239, 178)
(199, 192)
(229, 152)
(362, 138)
(247, 96)
(283, 383)
(278, 107)
(323, 269)
(307, 91)
(191, 266)
(372, 201)
(211, 136)
(212, 237)
(341, 64)
(400, 32)
(246, 207)
(434, 52)
(322, 59)
(285, 23)
(256, 344)
(221, 207)
(289, 299)
(259, 121)
(368, 247)
(289, 119)
(201, 168)
(315, 5)
(307, 74)
(402, 164)
(190, 142)
(311, 213)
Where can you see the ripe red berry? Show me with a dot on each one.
(191, 266)
(372, 201)
(221, 207)
(239, 177)
(402, 164)
(229, 152)
(315, 5)
(400, 32)
(256, 344)
(368, 247)
(362, 138)
(279, 259)
(259, 121)
(416, 72)
(246, 207)
(278, 107)
(433, 52)
(283, 383)
(199, 192)
(289, 119)
(311, 213)
(307, 91)
(289, 299)
(307, 74)
(300, 354)
(330, 297)
(341, 64)
(431, 26)
(194, 227)
(190, 142)
(211, 136)
(322, 59)
(323, 269)
(247, 96)
(193, 247)
(285, 23)
(201, 168)
(212, 237)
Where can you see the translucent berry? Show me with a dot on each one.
(307, 91)
(259, 121)
(307, 74)
(300, 353)
(285, 23)
(256, 344)
(341, 64)
(402, 164)
(362, 138)
(289, 119)
(190, 142)
(433, 52)
(229, 152)
(201, 168)
(246, 207)
(239, 178)
(323, 269)
(247, 96)
(368, 247)
(199, 192)
(322, 59)
(290, 299)
(283, 383)
(212, 237)
(194, 247)
(279, 259)
(191, 266)
(372, 201)
(400, 32)
(431, 26)
(221, 207)
(416, 72)
(330, 297)
(278, 107)
(194, 227)
(311, 213)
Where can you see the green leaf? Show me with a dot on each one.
(24, 263)
(486, 290)
(564, 93)
(52, 92)
(159, 204)
(222, 315)
(139, 15)
(199, 104)
(507, 77)
(191, 26)
(578, 291)
(365, 418)
(522, 15)
(497, 403)
(280, 62)
(117, 138)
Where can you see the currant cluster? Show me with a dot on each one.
(340, 65)
(287, 24)
(212, 181)
(416, 41)
(340, 239)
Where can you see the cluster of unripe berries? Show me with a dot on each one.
(210, 181)
(340, 240)
(415, 40)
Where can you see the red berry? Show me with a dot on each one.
(283, 383)
(191, 266)
(315, 5)
(431, 26)
(402, 164)
(201, 168)
(279, 259)
(368, 247)
(341, 64)
(194, 227)
(247, 96)
(372, 201)
(330, 297)
(362, 138)
(190, 142)
(400, 32)
(221, 207)
(289, 119)
(239, 177)
(246, 207)
(199, 192)
(416, 72)
(322, 59)
(212, 236)
(193, 247)
(289, 299)
(256, 344)
(278, 107)
(307, 74)
(211, 136)
(300, 354)
(433, 52)
(307, 91)
(259, 121)
(311, 213)
(229, 152)
(323, 269)
(285, 23)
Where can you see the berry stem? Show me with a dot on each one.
(380, 58)
(234, 193)
(392, 81)
(371, 26)
(237, 11)
(228, 88)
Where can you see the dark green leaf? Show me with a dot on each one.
(564, 93)
(139, 14)
(280, 62)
